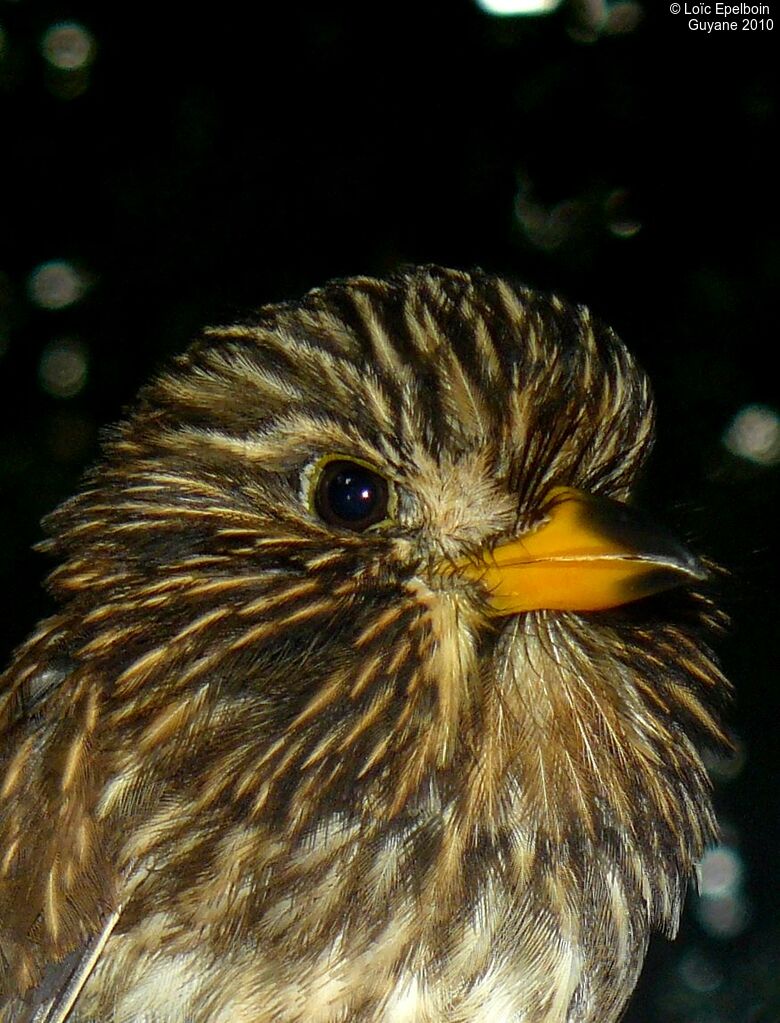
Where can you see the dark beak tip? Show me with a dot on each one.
(690, 565)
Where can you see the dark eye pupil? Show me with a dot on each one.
(350, 495)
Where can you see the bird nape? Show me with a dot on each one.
(368, 697)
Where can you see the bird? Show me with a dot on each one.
(369, 694)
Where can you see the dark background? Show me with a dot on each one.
(196, 164)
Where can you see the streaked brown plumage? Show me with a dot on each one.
(276, 766)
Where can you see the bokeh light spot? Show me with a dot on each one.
(620, 219)
(68, 46)
(721, 907)
(593, 19)
(548, 228)
(754, 434)
(720, 871)
(726, 766)
(724, 917)
(56, 284)
(623, 18)
(62, 370)
(509, 7)
(699, 973)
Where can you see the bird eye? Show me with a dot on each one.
(350, 495)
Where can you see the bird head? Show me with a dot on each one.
(368, 557)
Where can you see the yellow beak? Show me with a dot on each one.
(590, 553)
